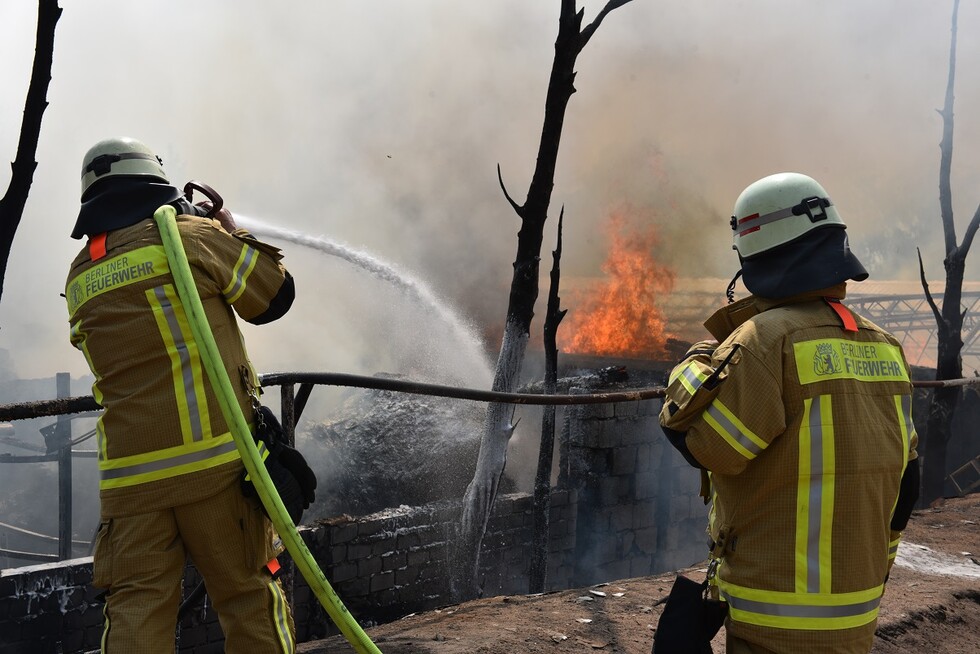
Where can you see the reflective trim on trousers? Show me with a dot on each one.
(281, 619)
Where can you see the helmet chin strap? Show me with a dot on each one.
(730, 291)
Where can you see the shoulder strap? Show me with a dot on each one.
(845, 315)
(96, 246)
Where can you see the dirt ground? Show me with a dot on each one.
(931, 604)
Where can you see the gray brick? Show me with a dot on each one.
(624, 460)
(382, 581)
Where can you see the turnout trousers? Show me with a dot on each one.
(140, 560)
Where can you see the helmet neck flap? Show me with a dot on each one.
(119, 202)
(819, 259)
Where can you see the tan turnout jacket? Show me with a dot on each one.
(806, 433)
(162, 440)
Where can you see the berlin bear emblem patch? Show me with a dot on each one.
(826, 361)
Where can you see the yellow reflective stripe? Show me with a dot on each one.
(119, 271)
(893, 548)
(263, 453)
(809, 611)
(838, 358)
(281, 618)
(815, 497)
(243, 268)
(185, 362)
(79, 340)
(100, 439)
(903, 404)
(690, 376)
(735, 433)
(170, 462)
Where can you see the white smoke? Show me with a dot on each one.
(381, 124)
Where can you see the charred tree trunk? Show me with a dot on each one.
(498, 427)
(949, 319)
(22, 169)
(542, 481)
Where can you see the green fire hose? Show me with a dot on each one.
(165, 218)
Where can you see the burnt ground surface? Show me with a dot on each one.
(931, 604)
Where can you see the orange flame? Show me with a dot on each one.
(619, 316)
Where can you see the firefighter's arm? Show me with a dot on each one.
(686, 398)
(248, 273)
(732, 415)
(908, 495)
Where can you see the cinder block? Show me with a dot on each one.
(621, 517)
(406, 576)
(370, 566)
(406, 541)
(619, 569)
(369, 528)
(644, 513)
(394, 560)
(624, 460)
(646, 539)
(625, 409)
(382, 581)
(647, 484)
(343, 572)
(641, 566)
(343, 533)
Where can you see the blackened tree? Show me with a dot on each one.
(22, 169)
(949, 318)
(498, 427)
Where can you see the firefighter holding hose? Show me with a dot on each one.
(170, 476)
(799, 416)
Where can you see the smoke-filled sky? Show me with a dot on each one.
(380, 124)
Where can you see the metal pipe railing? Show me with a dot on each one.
(291, 408)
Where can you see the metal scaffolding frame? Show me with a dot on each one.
(910, 319)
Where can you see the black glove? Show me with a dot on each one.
(292, 476)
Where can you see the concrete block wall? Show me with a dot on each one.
(398, 561)
(383, 566)
(628, 507)
(639, 509)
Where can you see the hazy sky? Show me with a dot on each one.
(380, 124)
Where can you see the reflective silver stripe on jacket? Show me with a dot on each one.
(234, 289)
(802, 610)
(734, 432)
(186, 366)
(169, 462)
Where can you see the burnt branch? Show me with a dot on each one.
(594, 25)
(971, 231)
(518, 209)
(946, 146)
(22, 169)
(925, 288)
(541, 531)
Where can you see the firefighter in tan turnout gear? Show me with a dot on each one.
(801, 420)
(169, 469)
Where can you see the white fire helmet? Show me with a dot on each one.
(123, 157)
(779, 209)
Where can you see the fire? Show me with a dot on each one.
(619, 316)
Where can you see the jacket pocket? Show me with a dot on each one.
(257, 533)
(103, 555)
